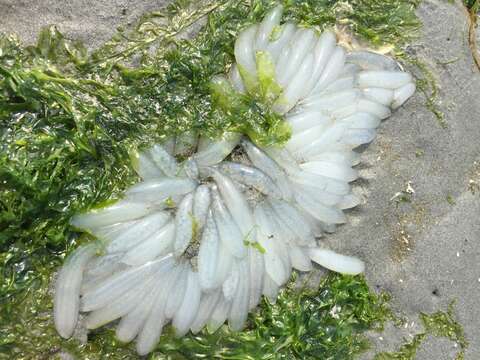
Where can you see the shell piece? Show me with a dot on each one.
(350, 70)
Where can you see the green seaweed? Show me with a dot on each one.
(380, 23)
(427, 84)
(471, 4)
(406, 351)
(419, 153)
(256, 245)
(450, 199)
(270, 90)
(440, 324)
(71, 121)
(325, 323)
(444, 324)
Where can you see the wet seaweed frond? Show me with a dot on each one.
(427, 84)
(440, 324)
(473, 8)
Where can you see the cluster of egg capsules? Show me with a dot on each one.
(198, 242)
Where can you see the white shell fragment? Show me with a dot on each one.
(197, 243)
